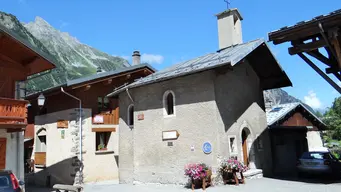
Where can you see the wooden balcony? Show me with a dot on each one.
(40, 158)
(106, 118)
(13, 113)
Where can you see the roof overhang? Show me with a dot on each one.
(318, 38)
(268, 69)
(17, 51)
(108, 76)
(305, 111)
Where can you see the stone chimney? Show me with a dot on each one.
(229, 28)
(136, 58)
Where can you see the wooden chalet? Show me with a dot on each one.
(309, 37)
(18, 60)
(92, 91)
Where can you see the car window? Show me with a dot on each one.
(316, 155)
(5, 182)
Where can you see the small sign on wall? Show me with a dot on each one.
(140, 116)
(170, 135)
(98, 119)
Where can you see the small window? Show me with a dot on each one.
(102, 140)
(169, 103)
(103, 104)
(232, 145)
(130, 116)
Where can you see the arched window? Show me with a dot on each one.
(169, 103)
(130, 115)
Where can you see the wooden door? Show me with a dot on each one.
(2, 153)
(246, 158)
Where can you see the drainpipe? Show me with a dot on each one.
(127, 90)
(80, 134)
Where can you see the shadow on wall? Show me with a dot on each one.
(63, 172)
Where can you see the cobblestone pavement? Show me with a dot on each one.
(256, 185)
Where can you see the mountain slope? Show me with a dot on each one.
(73, 59)
(279, 96)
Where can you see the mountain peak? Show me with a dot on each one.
(41, 21)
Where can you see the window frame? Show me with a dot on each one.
(165, 104)
(106, 139)
(103, 104)
(235, 152)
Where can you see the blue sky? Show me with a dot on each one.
(168, 32)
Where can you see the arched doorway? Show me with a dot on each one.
(245, 134)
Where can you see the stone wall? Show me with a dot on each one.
(209, 106)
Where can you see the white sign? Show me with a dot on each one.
(192, 148)
(98, 119)
(170, 135)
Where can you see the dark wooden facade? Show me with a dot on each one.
(89, 92)
(17, 62)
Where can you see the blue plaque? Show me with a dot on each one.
(207, 147)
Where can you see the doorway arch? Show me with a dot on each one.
(245, 135)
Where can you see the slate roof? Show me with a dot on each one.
(279, 111)
(230, 55)
(92, 77)
(109, 73)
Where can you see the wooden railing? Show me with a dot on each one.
(110, 118)
(40, 158)
(13, 111)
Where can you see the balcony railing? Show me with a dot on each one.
(13, 112)
(110, 118)
(40, 158)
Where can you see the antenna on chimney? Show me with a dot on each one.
(228, 3)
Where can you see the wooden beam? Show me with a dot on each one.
(316, 54)
(337, 75)
(87, 87)
(320, 72)
(10, 63)
(29, 61)
(306, 47)
(331, 70)
(108, 82)
(103, 129)
(335, 42)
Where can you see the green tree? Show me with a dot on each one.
(332, 118)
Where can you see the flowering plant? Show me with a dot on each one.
(232, 164)
(196, 171)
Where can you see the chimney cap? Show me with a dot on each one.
(228, 12)
(136, 53)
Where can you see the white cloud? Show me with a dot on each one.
(63, 24)
(152, 58)
(312, 100)
(126, 57)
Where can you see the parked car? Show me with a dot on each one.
(318, 162)
(9, 182)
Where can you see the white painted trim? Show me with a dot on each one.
(164, 102)
(128, 115)
(236, 145)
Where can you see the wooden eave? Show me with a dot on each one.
(309, 37)
(24, 58)
(305, 30)
(111, 78)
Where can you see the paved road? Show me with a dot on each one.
(256, 185)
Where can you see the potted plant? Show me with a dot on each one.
(101, 147)
(229, 169)
(199, 175)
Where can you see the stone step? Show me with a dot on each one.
(253, 174)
